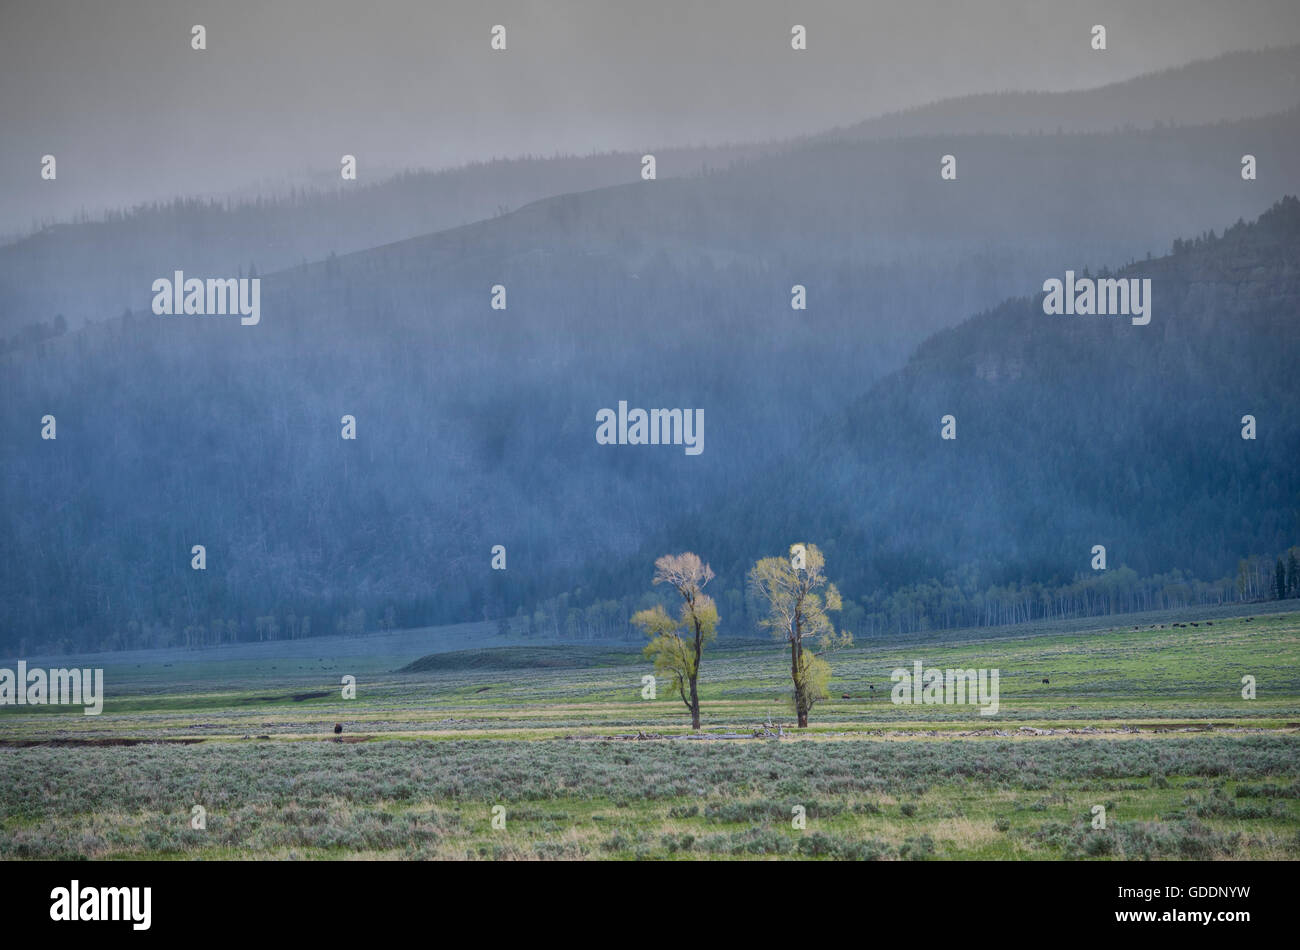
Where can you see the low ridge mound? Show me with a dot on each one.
(520, 658)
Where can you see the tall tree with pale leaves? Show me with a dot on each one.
(798, 597)
(677, 643)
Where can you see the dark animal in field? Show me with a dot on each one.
(338, 728)
(845, 696)
(1195, 624)
(1047, 682)
(1209, 623)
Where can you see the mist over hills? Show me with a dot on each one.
(476, 426)
(92, 270)
(1071, 431)
(112, 257)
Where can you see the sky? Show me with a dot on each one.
(286, 87)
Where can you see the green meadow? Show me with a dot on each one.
(1142, 723)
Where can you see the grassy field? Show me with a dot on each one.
(1148, 723)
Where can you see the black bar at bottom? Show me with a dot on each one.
(734, 898)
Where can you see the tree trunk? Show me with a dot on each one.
(800, 707)
(695, 675)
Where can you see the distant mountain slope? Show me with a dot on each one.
(1071, 431)
(1230, 87)
(90, 271)
(476, 426)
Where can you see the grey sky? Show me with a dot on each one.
(285, 87)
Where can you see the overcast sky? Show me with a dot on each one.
(113, 90)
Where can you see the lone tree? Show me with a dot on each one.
(676, 644)
(796, 613)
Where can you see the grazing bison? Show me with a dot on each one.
(1046, 681)
(338, 728)
(845, 696)
(1194, 623)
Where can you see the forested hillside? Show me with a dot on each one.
(111, 257)
(477, 427)
(1071, 431)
